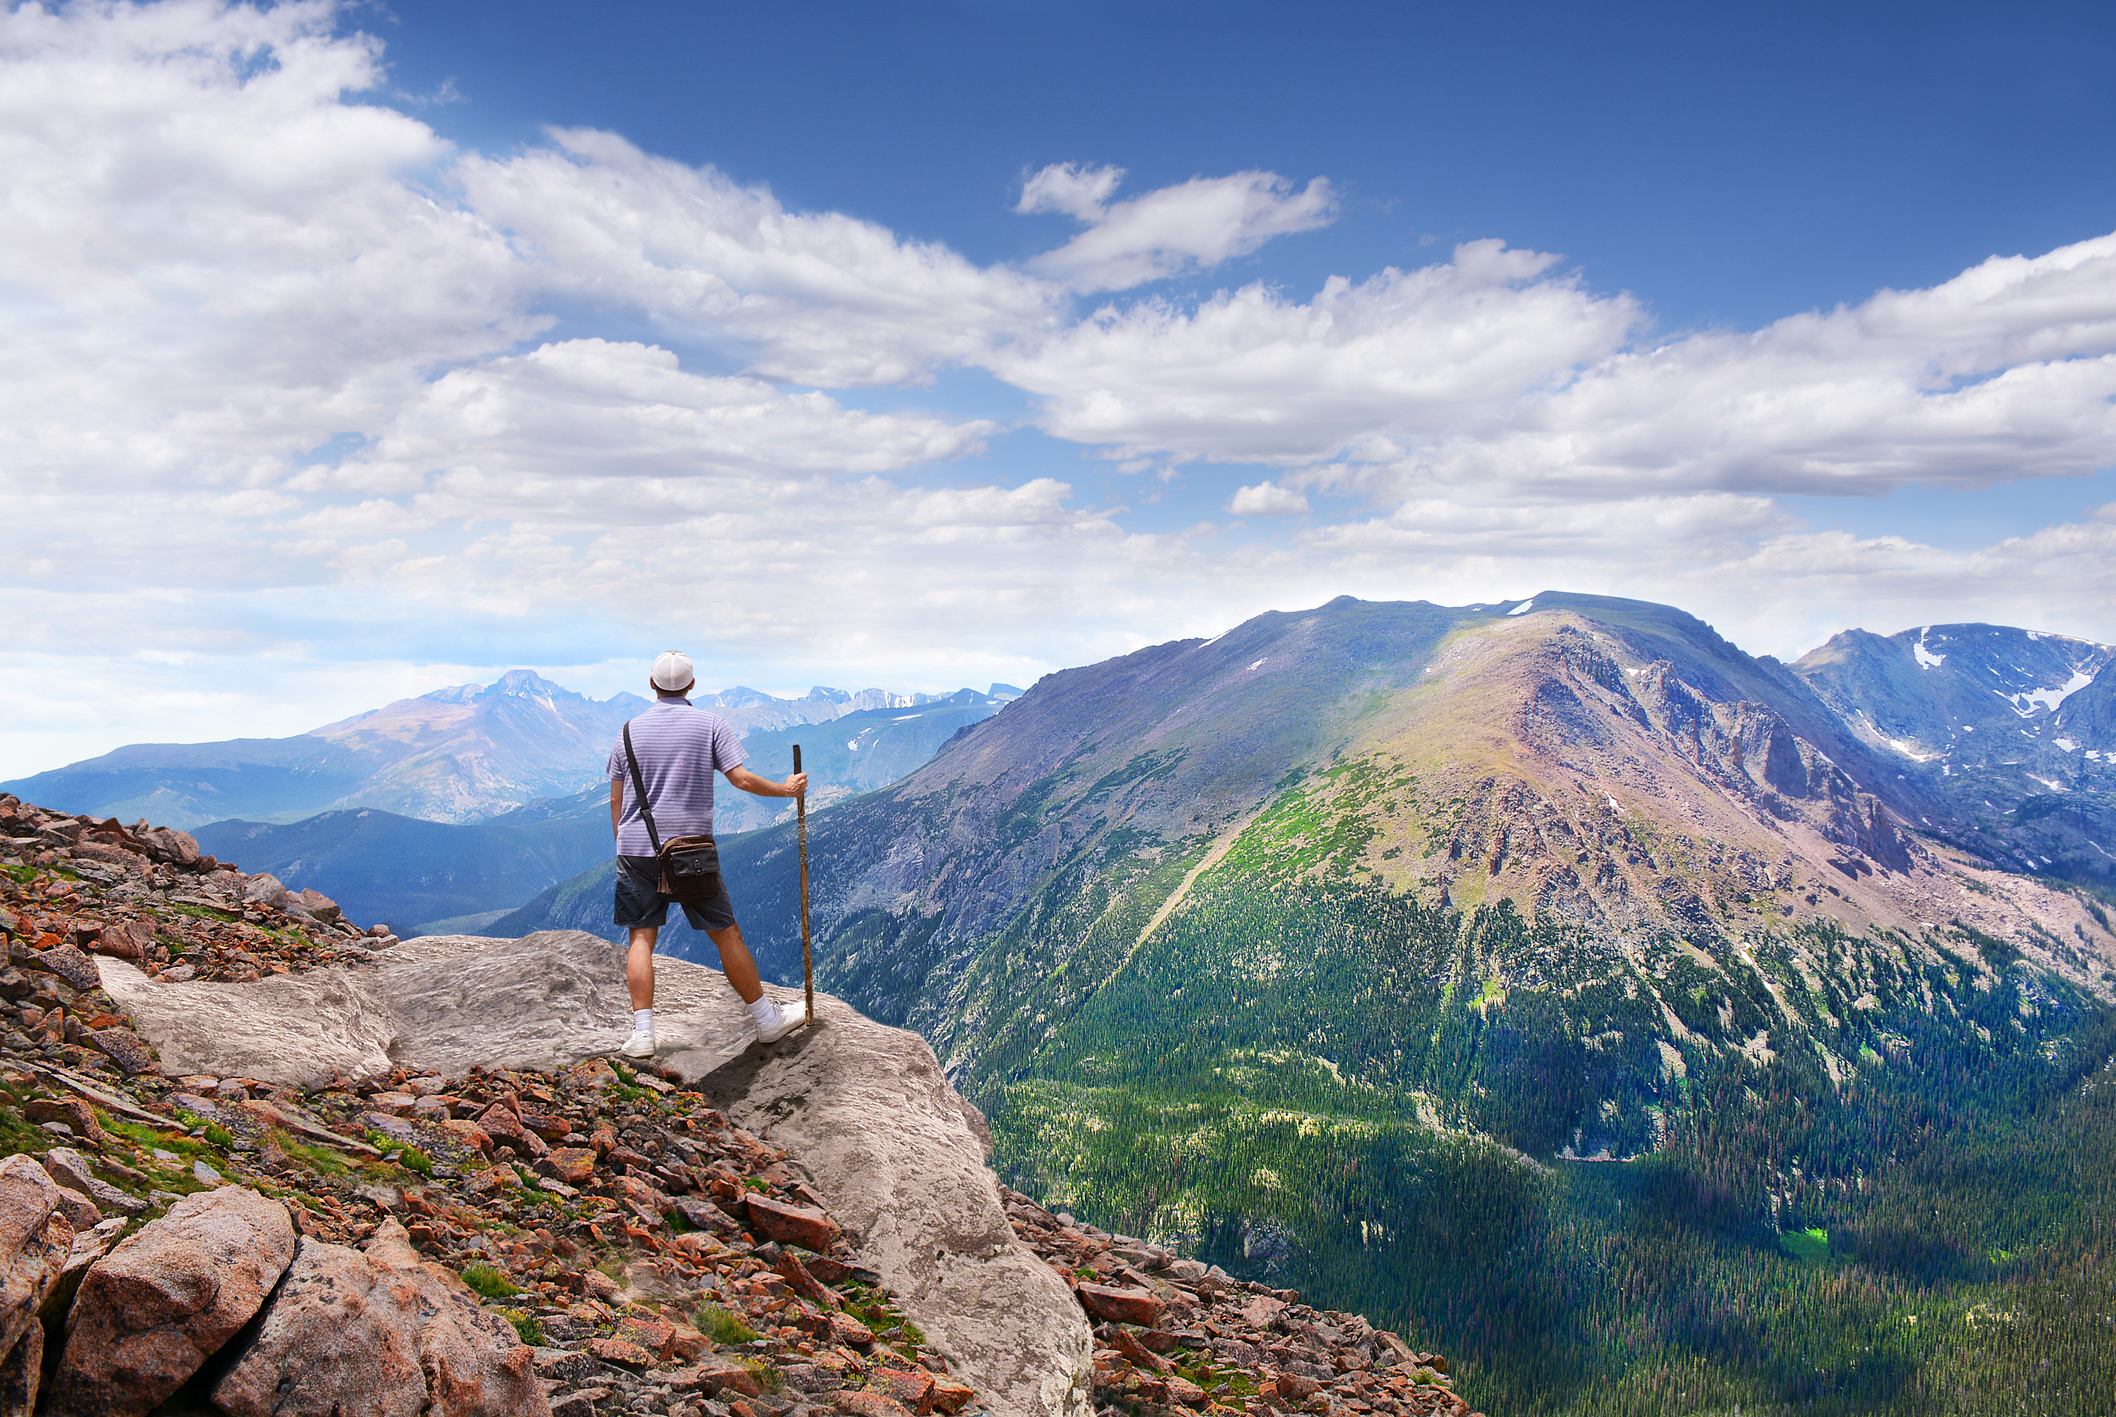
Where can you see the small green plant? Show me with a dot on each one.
(723, 1327)
(413, 1159)
(755, 1183)
(526, 1327)
(768, 1377)
(219, 1136)
(488, 1281)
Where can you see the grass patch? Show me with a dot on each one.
(317, 1158)
(144, 1136)
(217, 1135)
(488, 1281)
(723, 1327)
(1807, 1246)
(413, 1159)
(526, 1328)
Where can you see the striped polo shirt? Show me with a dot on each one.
(680, 748)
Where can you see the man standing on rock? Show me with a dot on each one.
(679, 748)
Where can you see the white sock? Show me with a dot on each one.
(642, 1020)
(764, 1011)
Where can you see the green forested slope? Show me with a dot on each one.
(1307, 1079)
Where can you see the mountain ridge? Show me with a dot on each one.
(459, 754)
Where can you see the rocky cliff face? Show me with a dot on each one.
(344, 1173)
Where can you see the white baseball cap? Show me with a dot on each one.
(672, 670)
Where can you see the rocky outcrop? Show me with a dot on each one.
(35, 1240)
(384, 1333)
(164, 1301)
(788, 1231)
(1173, 1332)
(894, 1154)
(900, 1158)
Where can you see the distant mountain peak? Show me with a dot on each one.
(527, 684)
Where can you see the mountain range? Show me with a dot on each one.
(1551, 975)
(461, 754)
(423, 877)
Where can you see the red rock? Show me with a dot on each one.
(621, 1353)
(656, 1336)
(1184, 1391)
(166, 1299)
(686, 1343)
(574, 1165)
(73, 1171)
(69, 964)
(951, 1396)
(792, 1224)
(466, 1133)
(913, 1387)
(1120, 1306)
(382, 1332)
(1139, 1354)
(867, 1403)
(506, 1129)
(125, 1048)
(73, 1112)
(167, 844)
(547, 1125)
(122, 940)
(804, 1283)
(35, 1240)
(493, 1179)
(718, 1375)
(850, 1332)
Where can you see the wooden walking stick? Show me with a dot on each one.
(808, 973)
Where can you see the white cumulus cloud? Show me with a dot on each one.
(1267, 499)
(1251, 376)
(1191, 225)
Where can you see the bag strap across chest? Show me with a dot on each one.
(639, 790)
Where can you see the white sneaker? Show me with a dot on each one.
(791, 1017)
(640, 1044)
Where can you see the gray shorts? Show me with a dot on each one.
(641, 905)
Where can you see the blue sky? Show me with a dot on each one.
(357, 350)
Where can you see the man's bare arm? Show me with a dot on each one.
(617, 803)
(764, 787)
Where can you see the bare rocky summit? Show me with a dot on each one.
(263, 1162)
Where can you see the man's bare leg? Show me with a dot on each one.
(735, 962)
(639, 966)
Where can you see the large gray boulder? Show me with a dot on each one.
(154, 1309)
(381, 1333)
(895, 1153)
(899, 1156)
